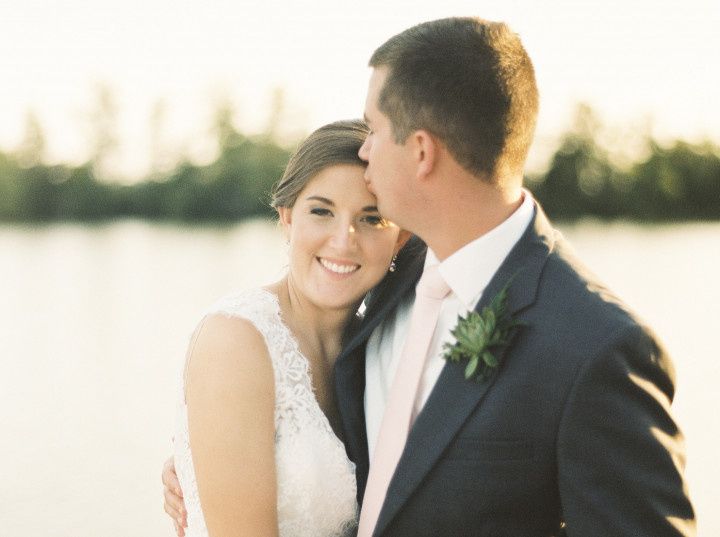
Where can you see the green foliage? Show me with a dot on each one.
(676, 182)
(479, 337)
(681, 182)
(236, 186)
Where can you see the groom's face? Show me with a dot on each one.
(389, 170)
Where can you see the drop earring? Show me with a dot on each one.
(393, 266)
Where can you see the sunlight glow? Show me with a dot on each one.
(639, 63)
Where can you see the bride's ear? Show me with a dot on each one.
(285, 218)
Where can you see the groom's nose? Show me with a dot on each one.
(364, 148)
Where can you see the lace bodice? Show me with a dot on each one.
(316, 481)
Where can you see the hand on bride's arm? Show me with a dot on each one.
(174, 505)
(231, 401)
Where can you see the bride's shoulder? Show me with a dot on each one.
(218, 334)
(250, 313)
(226, 356)
(232, 331)
(255, 305)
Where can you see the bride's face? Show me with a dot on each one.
(340, 246)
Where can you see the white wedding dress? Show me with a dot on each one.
(316, 481)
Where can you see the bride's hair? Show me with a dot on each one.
(330, 145)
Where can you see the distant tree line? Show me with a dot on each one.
(676, 182)
(680, 181)
(233, 187)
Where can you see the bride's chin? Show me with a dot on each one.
(335, 299)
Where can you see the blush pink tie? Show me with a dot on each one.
(398, 415)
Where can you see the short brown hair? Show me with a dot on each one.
(332, 144)
(467, 81)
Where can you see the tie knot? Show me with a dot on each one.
(432, 284)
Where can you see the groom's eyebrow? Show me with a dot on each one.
(326, 201)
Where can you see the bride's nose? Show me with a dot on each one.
(344, 236)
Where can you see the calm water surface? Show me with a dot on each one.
(95, 321)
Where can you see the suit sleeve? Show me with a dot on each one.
(620, 453)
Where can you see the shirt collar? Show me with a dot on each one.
(469, 270)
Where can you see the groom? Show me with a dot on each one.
(565, 424)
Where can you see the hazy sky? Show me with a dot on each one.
(630, 59)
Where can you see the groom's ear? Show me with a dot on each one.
(425, 149)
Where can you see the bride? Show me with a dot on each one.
(256, 446)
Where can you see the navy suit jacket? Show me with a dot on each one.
(572, 435)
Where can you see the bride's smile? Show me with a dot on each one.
(338, 267)
(340, 245)
(257, 437)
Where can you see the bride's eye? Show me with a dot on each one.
(320, 211)
(375, 220)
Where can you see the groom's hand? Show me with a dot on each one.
(174, 505)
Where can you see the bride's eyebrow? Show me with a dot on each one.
(326, 201)
(321, 200)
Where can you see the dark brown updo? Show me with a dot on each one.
(330, 145)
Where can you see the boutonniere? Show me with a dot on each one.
(480, 337)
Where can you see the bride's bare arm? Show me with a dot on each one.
(230, 401)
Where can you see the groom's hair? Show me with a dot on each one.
(467, 81)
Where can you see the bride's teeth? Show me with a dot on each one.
(340, 269)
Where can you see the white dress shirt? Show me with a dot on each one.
(467, 272)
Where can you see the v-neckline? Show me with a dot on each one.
(307, 369)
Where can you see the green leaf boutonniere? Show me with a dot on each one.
(480, 337)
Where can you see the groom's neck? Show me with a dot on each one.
(464, 211)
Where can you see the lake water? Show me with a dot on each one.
(94, 323)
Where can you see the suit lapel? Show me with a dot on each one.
(388, 293)
(350, 366)
(453, 398)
